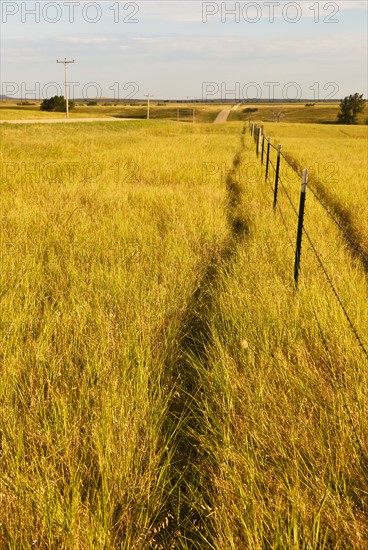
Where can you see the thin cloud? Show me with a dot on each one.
(199, 47)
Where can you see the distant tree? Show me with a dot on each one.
(56, 104)
(350, 106)
(277, 114)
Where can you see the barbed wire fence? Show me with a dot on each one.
(264, 148)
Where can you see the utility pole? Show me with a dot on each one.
(148, 104)
(66, 63)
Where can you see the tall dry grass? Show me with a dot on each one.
(163, 384)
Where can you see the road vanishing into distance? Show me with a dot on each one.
(220, 119)
(223, 115)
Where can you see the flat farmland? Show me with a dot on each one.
(309, 112)
(10, 110)
(164, 384)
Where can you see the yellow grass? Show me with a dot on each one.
(98, 262)
(161, 110)
(34, 113)
(293, 395)
(163, 384)
(337, 159)
(306, 112)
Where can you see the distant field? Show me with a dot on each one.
(170, 111)
(322, 113)
(163, 383)
(180, 111)
(33, 112)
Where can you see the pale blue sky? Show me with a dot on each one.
(171, 52)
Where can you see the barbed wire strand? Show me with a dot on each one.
(289, 198)
(272, 164)
(336, 382)
(355, 245)
(285, 225)
(292, 164)
(346, 235)
(354, 330)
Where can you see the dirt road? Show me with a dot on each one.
(224, 114)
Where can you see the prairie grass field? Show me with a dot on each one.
(337, 158)
(164, 385)
(289, 112)
(11, 111)
(158, 110)
(296, 113)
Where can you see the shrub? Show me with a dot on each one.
(56, 104)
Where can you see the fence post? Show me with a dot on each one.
(300, 226)
(268, 157)
(259, 140)
(263, 142)
(277, 176)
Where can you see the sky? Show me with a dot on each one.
(185, 49)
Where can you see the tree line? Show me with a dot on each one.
(350, 107)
